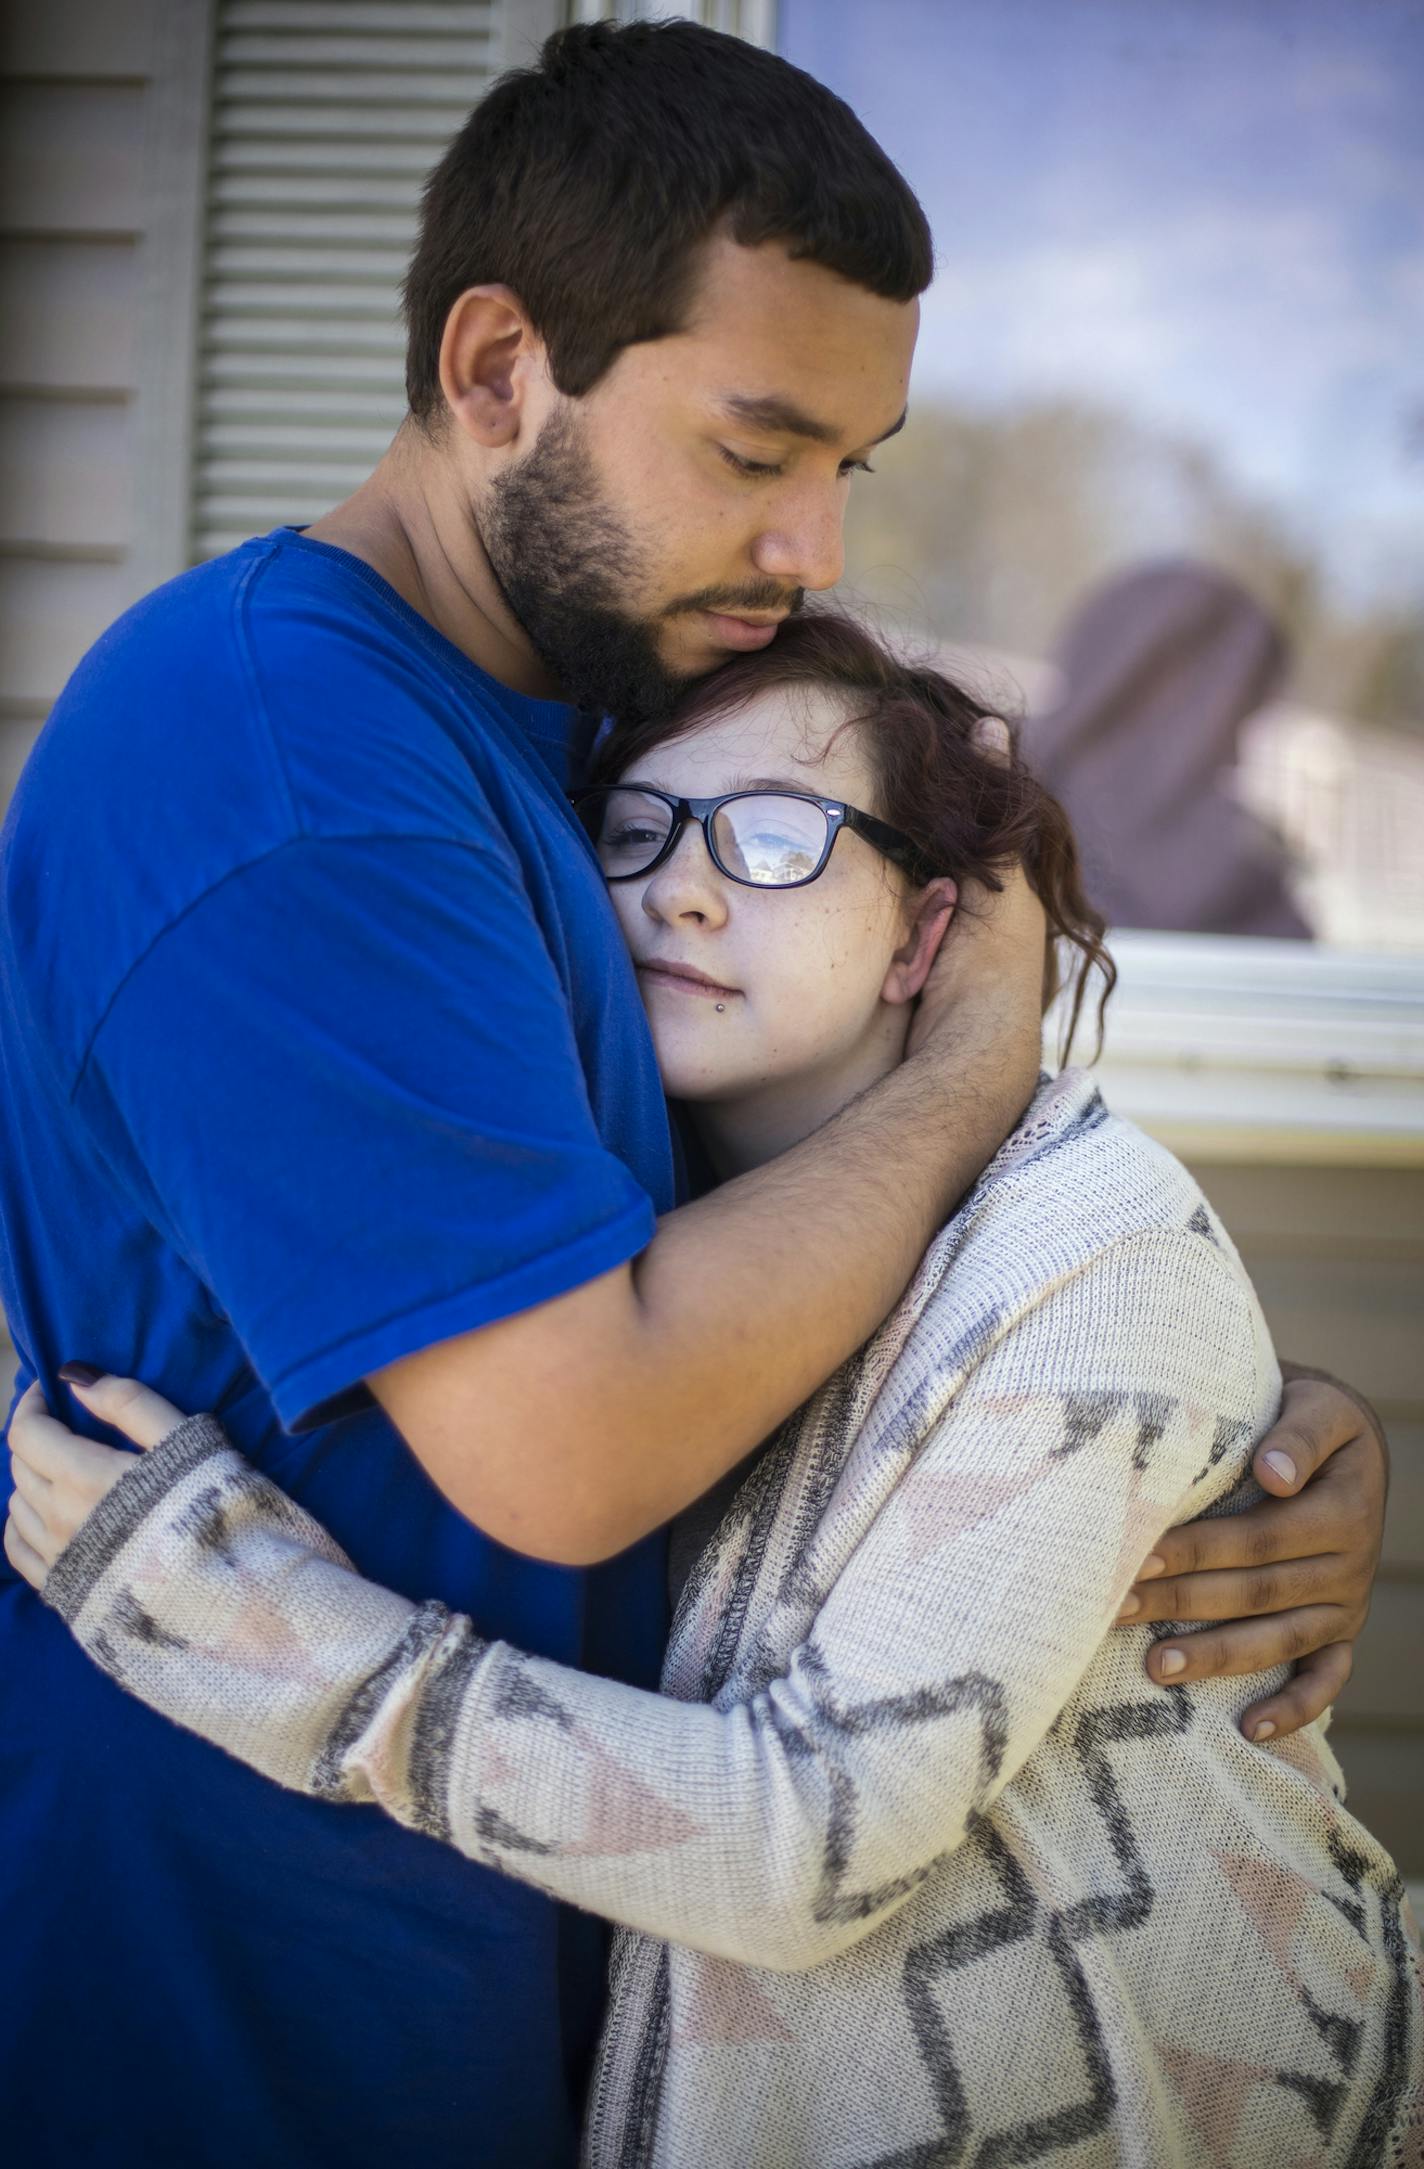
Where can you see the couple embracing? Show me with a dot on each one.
(745, 1532)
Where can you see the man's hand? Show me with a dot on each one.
(1292, 1579)
(987, 982)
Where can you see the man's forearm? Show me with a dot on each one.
(761, 1289)
(573, 1429)
(570, 1436)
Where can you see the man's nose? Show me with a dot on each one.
(687, 885)
(806, 546)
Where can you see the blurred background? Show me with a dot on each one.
(1162, 495)
(1168, 453)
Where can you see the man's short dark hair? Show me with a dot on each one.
(588, 183)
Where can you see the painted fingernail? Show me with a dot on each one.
(1151, 1567)
(79, 1374)
(1170, 1663)
(1264, 1730)
(1282, 1464)
(1130, 1606)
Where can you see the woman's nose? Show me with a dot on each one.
(687, 885)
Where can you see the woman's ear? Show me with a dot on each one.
(932, 908)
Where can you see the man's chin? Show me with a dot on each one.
(692, 651)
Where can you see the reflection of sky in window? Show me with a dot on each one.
(1205, 212)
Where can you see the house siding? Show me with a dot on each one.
(1337, 1256)
(101, 121)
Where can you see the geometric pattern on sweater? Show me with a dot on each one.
(910, 1862)
(889, 1713)
(1103, 1912)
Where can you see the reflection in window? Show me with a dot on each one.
(1177, 323)
(1159, 670)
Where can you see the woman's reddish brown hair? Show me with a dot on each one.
(972, 810)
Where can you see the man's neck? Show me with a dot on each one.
(410, 523)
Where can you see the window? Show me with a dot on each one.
(1163, 489)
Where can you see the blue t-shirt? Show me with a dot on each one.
(319, 1045)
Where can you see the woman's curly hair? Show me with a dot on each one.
(972, 808)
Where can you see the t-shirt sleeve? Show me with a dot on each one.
(356, 1108)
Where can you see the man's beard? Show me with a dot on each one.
(563, 559)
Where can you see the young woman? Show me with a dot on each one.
(910, 1864)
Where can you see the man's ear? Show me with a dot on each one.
(932, 908)
(489, 356)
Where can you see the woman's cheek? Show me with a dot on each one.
(847, 954)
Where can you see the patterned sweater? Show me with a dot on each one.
(911, 1862)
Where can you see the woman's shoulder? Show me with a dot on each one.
(1073, 1183)
(1086, 1258)
(1073, 1158)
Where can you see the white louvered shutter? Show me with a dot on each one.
(326, 117)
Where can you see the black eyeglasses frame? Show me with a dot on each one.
(891, 843)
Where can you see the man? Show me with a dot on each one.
(340, 1117)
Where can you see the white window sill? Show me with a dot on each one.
(1266, 1050)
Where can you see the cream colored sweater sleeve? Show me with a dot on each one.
(783, 1829)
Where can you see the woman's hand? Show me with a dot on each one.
(1291, 1581)
(60, 1478)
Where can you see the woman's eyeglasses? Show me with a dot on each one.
(762, 839)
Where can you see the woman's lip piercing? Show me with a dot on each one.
(721, 1005)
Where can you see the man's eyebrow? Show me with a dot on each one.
(783, 418)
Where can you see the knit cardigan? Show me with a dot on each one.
(911, 1862)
